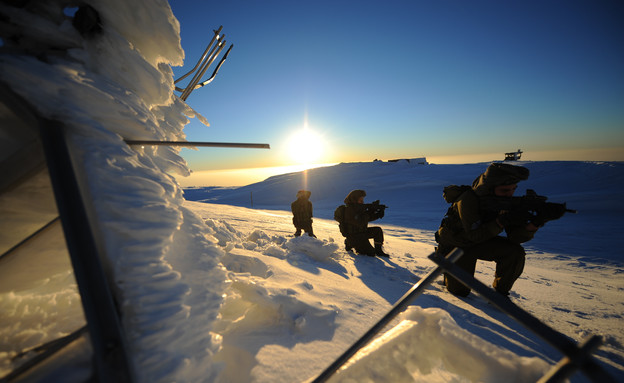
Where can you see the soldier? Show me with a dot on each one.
(476, 231)
(357, 215)
(302, 213)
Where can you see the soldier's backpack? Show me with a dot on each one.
(339, 217)
(451, 219)
(452, 192)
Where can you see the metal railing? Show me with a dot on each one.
(576, 357)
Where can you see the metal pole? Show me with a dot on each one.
(561, 342)
(569, 364)
(200, 72)
(216, 34)
(216, 69)
(33, 235)
(198, 143)
(112, 363)
(407, 298)
(209, 62)
(45, 351)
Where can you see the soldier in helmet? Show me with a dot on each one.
(477, 232)
(356, 219)
(302, 213)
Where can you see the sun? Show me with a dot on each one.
(305, 146)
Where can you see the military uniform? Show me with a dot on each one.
(475, 231)
(356, 219)
(302, 213)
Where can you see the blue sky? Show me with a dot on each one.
(455, 81)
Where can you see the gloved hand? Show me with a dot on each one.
(549, 212)
(376, 214)
(512, 218)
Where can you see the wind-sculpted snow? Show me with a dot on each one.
(223, 232)
(275, 246)
(315, 249)
(253, 301)
(294, 304)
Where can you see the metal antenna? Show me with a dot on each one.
(214, 48)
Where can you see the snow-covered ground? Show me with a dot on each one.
(289, 305)
(220, 291)
(567, 283)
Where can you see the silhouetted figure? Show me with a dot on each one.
(357, 215)
(302, 213)
(475, 229)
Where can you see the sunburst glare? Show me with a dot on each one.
(305, 146)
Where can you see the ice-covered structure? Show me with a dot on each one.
(89, 77)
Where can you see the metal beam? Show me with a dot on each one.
(111, 359)
(398, 307)
(30, 237)
(198, 143)
(42, 352)
(577, 357)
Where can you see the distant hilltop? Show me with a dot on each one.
(411, 190)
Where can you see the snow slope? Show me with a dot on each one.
(566, 284)
(413, 193)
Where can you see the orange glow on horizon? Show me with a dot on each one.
(240, 177)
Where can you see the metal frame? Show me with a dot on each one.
(103, 321)
(110, 359)
(111, 362)
(575, 357)
(30, 237)
(43, 352)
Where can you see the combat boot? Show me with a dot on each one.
(348, 246)
(379, 251)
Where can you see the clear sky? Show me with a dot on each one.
(453, 81)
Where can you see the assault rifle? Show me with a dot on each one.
(375, 210)
(527, 208)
